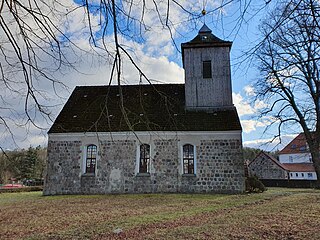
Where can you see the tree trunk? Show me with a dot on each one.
(316, 162)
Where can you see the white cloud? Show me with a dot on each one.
(242, 105)
(92, 65)
(270, 144)
(249, 90)
(258, 104)
(92, 68)
(248, 125)
(245, 109)
(252, 125)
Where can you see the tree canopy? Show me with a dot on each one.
(288, 60)
(22, 164)
(41, 41)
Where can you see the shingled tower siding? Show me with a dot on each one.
(203, 92)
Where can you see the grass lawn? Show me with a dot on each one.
(275, 214)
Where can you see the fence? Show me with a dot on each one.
(289, 183)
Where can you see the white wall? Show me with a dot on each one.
(295, 158)
(147, 137)
(303, 176)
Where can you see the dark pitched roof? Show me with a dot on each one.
(297, 145)
(148, 108)
(205, 38)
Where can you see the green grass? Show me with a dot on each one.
(275, 214)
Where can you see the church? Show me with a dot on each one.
(159, 138)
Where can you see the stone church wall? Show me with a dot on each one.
(219, 165)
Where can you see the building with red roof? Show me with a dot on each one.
(296, 158)
(295, 163)
(297, 151)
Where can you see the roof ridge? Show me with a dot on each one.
(130, 85)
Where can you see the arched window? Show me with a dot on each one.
(144, 163)
(91, 158)
(188, 159)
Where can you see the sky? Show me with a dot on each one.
(156, 52)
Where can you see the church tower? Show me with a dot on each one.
(206, 60)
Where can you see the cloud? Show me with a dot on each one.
(249, 90)
(89, 66)
(85, 64)
(259, 104)
(270, 144)
(247, 110)
(252, 125)
(248, 125)
(243, 107)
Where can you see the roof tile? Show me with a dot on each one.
(145, 108)
(297, 145)
(299, 167)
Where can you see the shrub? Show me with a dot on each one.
(23, 189)
(254, 185)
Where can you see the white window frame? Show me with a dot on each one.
(137, 168)
(194, 159)
(84, 160)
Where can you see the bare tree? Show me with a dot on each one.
(288, 61)
(31, 32)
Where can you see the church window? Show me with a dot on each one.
(144, 163)
(91, 158)
(188, 159)
(206, 69)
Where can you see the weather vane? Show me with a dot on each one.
(204, 12)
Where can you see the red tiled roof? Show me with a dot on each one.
(299, 167)
(297, 145)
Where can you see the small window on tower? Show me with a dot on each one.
(204, 38)
(206, 69)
